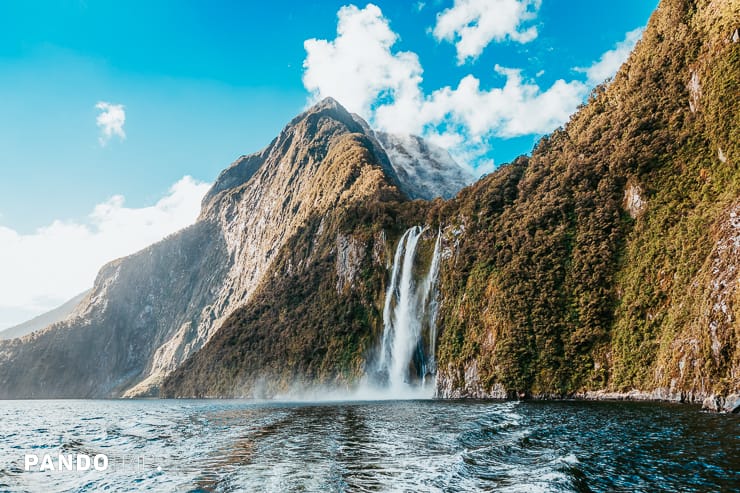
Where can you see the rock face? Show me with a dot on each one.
(148, 312)
(717, 404)
(634, 203)
(349, 255)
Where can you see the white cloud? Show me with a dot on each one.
(358, 68)
(361, 70)
(518, 108)
(607, 66)
(51, 265)
(110, 120)
(472, 24)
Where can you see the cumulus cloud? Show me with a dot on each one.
(472, 24)
(607, 66)
(358, 68)
(518, 108)
(110, 120)
(43, 269)
(361, 70)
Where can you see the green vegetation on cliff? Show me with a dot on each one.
(598, 271)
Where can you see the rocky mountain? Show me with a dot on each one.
(604, 265)
(148, 312)
(44, 320)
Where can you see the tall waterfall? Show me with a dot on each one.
(407, 350)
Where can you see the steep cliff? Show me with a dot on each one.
(609, 259)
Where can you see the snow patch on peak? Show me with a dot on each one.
(426, 171)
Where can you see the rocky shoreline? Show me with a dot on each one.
(471, 388)
(714, 403)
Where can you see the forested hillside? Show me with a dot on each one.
(609, 260)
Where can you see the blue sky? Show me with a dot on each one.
(204, 82)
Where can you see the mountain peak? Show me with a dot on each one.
(330, 108)
(328, 103)
(418, 168)
(304, 128)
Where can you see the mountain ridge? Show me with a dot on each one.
(42, 321)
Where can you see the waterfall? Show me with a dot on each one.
(430, 300)
(390, 293)
(407, 351)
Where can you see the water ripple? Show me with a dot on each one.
(444, 446)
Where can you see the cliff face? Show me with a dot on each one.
(134, 312)
(608, 261)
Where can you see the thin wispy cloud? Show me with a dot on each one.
(110, 121)
(471, 25)
(361, 69)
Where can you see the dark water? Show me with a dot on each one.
(372, 446)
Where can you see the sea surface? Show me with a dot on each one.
(425, 445)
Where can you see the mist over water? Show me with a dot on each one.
(427, 445)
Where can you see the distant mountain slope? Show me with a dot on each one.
(44, 320)
(425, 170)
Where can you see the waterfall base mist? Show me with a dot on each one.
(364, 391)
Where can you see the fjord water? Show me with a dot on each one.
(427, 445)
